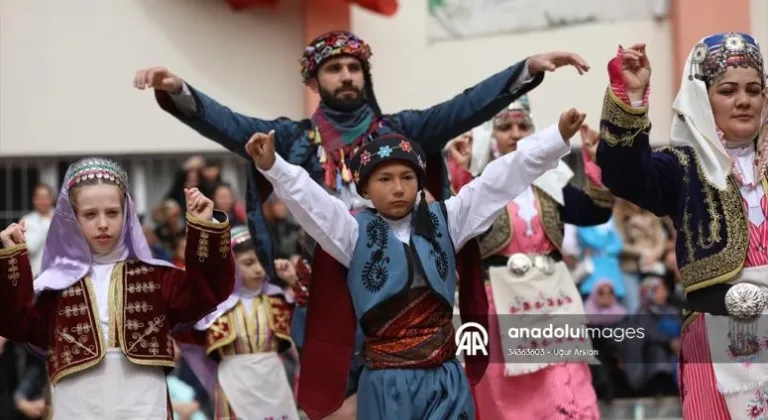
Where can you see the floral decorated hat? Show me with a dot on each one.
(387, 148)
(332, 44)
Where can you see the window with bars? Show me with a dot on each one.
(151, 178)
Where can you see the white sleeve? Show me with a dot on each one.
(324, 217)
(184, 100)
(472, 211)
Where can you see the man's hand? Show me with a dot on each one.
(636, 71)
(198, 205)
(13, 235)
(570, 123)
(157, 78)
(551, 61)
(261, 147)
(589, 140)
(460, 150)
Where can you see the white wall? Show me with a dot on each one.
(759, 23)
(408, 73)
(66, 70)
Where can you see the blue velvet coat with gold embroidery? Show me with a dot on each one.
(712, 225)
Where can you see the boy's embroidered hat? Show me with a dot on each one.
(395, 147)
(96, 168)
(332, 44)
(239, 235)
(388, 147)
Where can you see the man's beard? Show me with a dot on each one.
(342, 104)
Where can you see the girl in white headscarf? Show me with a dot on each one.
(712, 183)
(530, 286)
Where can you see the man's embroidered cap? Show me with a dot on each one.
(387, 148)
(96, 168)
(332, 44)
(239, 235)
(518, 110)
(715, 53)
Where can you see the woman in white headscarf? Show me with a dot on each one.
(711, 182)
(530, 286)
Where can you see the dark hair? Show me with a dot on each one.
(244, 247)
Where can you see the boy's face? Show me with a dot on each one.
(251, 270)
(392, 187)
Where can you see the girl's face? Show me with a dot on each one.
(99, 211)
(605, 297)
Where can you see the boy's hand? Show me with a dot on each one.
(570, 123)
(261, 147)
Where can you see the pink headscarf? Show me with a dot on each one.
(602, 315)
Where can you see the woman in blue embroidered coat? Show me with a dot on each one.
(402, 260)
(712, 183)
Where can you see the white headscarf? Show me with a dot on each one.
(694, 124)
(484, 150)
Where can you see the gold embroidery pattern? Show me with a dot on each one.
(722, 265)
(73, 291)
(13, 271)
(133, 324)
(202, 246)
(549, 214)
(144, 287)
(602, 197)
(138, 307)
(74, 310)
(140, 338)
(498, 236)
(224, 244)
(220, 333)
(714, 221)
(142, 269)
(629, 120)
(169, 345)
(79, 343)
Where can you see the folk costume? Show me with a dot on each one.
(322, 145)
(402, 273)
(530, 286)
(104, 321)
(715, 194)
(235, 351)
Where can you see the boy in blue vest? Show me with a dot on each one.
(401, 258)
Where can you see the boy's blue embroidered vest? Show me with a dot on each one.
(383, 266)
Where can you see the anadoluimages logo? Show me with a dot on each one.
(471, 338)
